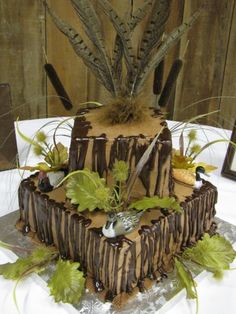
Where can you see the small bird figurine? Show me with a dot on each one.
(121, 223)
(185, 176)
(198, 180)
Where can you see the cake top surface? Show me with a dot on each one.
(148, 128)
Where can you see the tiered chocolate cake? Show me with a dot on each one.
(122, 264)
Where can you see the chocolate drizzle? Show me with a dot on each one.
(119, 264)
(127, 148)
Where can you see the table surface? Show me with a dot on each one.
(33, 295)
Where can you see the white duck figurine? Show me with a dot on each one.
(198, 180)
(121, 223)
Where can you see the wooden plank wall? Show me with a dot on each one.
(22, 38)
(209, 66)
(204, 72)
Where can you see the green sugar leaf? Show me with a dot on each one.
(24, 266)
(120, 171)
(15, 270)
(67, 283)
(88, 190)
(155, 201)
(186, 279)
(213, 253)
(57, 156)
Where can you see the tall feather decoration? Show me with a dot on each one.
(123, 31)
(167, 44)
(93, 29)
(154, 27)
(139, 14)
(136, 18)
(89, 58)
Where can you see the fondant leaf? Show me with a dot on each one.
(67, 282)
(25, 266)
(57, 156)
(181, 162)
(86, 189)
(186, 280)
(41, 166)
(155, 201)
(208, 168)
(120, 171)
(213, 253)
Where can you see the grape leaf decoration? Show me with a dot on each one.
(86, 189)
(213, 253)
(155, 201)
(25, 266)
(67, 283)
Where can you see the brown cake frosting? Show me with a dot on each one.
(120, 264)
(96, 146)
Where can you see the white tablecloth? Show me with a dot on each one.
(32, 294)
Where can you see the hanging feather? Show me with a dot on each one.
(93, 29)
(164, 48)
(170, 82)
(90, 59)
(133, 177)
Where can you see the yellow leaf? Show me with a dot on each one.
(208, 168)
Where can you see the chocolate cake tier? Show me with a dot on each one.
(92, 148)
(123, 263)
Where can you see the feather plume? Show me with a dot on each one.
(133, 177)
(89, 58)
(124, 33)
(154, 27)
(167, 44)
(93, 29)
(139, 14)
(136, 18)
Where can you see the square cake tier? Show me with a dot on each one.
(96, 146)
(121, 264)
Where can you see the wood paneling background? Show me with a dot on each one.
(22, 38)
(209, 63)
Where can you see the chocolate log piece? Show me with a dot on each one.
(96, 150)
(120, 264)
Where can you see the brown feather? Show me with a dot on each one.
(123, 31)
(93, 29)
(167, 44)
(154, 27)
(89, 58)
